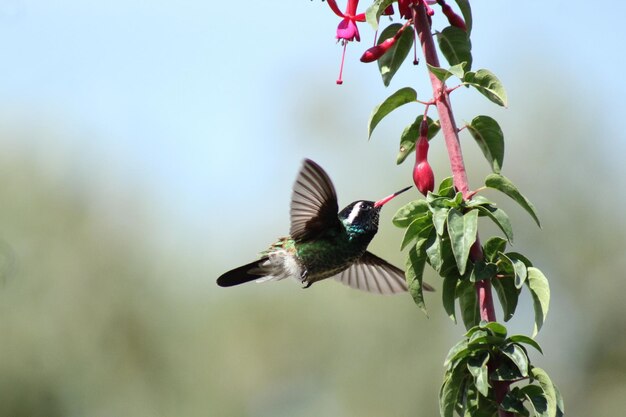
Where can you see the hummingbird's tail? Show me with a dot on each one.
(243, 274)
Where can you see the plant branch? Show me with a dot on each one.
(459, 174)
(451, 136)
(442, 101)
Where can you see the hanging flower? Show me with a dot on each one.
(347, 30)
(423, 176)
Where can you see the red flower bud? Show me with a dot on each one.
(423, 176)
(375, 52)
(453, 18)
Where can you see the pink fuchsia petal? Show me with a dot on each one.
(347, 30)
(334, 8)
(424, 178)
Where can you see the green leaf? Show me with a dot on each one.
(409, 212)
(503, 184)
(476, 330)
(482, 271)
(466, 10)
(492, 247)
(479, 200)
(448, 295)
(484, 342)
(496, 329)
(435, 201)
(516, 268)
(477, 366)
(411, 133)
(446, 187)
(487, 84)
(506, 372)
(508, 295)
(540, 290)
(517, 255)
(389, 63)
(459, 350)
(462, 229)
(537, 399)
(560, 406)
(500, 218)
(488, 134)
(451, 391)
(399, 98)
(518, 356)
(468, 304)
(455, 45)
(548, 388)
(418, 229)
(415, 262)
(440, 256)
(375, 11)
(513, 403)
(443, 74)
(440, 215)
(520, 338)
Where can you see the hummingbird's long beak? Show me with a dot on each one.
(385, 200)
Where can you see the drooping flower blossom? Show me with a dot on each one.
(423, 176)
(347, 31)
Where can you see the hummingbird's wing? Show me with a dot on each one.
(373, 274)
(313, 203)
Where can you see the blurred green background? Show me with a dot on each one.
(145, 148)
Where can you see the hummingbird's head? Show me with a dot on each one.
(362, 216)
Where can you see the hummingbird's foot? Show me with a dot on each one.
(308, 284)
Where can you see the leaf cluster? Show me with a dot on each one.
(441, 231)
(485, 356)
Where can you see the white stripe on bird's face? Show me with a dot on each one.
(354, 213)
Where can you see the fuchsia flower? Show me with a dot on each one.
(347, 30)
(423, 176)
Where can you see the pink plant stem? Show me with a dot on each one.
(451, 136)
(442, 101)
(459, 174)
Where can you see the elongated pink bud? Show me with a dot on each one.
(423, 175)
(453, 18)
(375, 52)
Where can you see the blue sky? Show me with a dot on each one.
(193, 103)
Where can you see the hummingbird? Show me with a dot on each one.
(324, 242)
